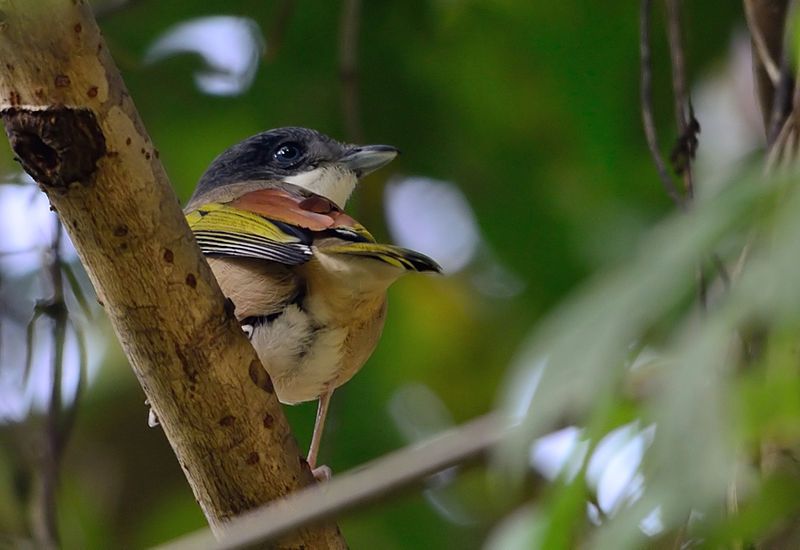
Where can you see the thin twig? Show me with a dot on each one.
(685, 122)
(28, 250)
(54, 308)
(60, 417)
(790, 150)
(112, 7)
(775, 152)
(348, 69)
(760, 44)
(357, 488)
(77, 291)
(722, 271)
(687, 126)
(647, 104)
(70, 413)
(30, 330)
(782, 100)
(277, 31)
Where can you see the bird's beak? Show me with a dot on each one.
(365, 159)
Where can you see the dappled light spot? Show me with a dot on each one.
(22, 392)
(614, 466)
(559, 453)
(230, 47)
(26, 228)
(27, 231)
(433, 217)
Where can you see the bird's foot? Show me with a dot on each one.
(322, 473)
(152, 419)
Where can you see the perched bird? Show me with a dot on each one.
(308, 281)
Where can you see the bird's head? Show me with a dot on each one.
(297, 156)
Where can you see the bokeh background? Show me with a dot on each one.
(524, 171)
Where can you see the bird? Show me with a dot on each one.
(308, 282)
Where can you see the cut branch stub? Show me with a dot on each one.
(57, 145)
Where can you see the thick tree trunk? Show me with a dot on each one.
(75, 130)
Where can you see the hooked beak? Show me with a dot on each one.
(365, 159)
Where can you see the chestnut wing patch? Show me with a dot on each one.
(277, 225)
(313, 212)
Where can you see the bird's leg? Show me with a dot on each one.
(323, 472)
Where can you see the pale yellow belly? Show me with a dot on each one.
(305, 359)
(317, 344)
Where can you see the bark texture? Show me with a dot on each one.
(74, 128)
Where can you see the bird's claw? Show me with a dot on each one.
(152, 418)
(322, 473)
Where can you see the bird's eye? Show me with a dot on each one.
(287, 154)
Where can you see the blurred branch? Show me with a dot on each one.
(770, 23)
(277, 30)
(763, 55)
(362, 486)
(646, 68)
(72, 124)
(766, 21)
(76, 289)
(61, 413)
(45, 521)
(683, 153)
(111, 7)
(348, 69)
(16, 252)
(688, 128)
(56, 310)
(782, 101)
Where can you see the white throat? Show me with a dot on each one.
(332, 181)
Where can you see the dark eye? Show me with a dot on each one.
(287, 154)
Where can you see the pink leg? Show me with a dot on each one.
(316, 438)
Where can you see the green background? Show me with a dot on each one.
(530, 108)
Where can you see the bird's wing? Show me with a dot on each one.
(224, 230)
(277, 224)
(395, 256)
(309, 211)
(306, 211)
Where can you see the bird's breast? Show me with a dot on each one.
(313, 327)
(307, 357)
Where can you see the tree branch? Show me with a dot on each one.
(648, 121)
(56, 432)
(74, 128)
(687, 126)
(280, 18)
(348, 69)
(381, 477)
(766, 21)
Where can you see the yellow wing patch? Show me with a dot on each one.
(223, 230)
(221, 217)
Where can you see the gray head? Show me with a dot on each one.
(297, 156)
